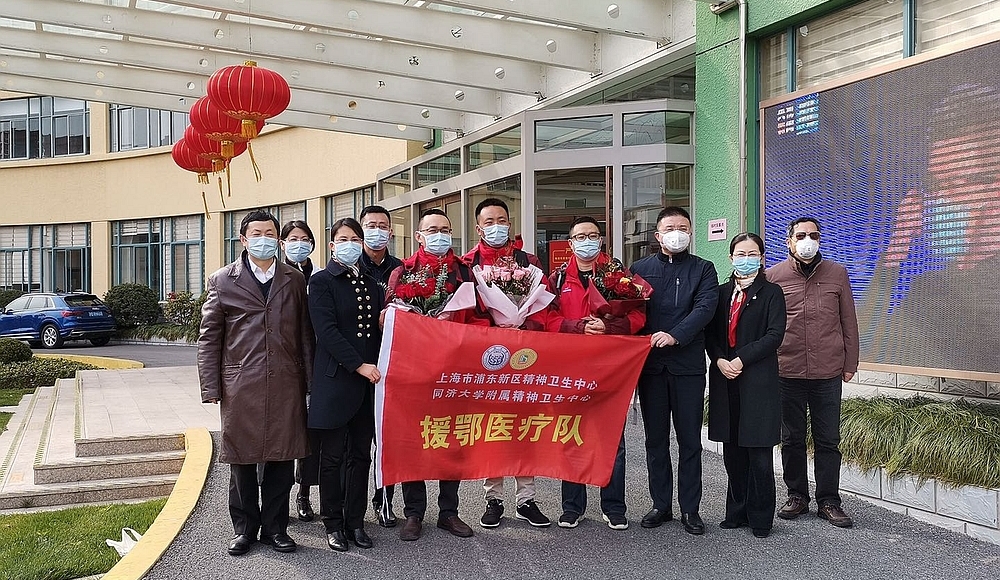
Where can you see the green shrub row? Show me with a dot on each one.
(132, 305)
(166, 331)
(39, 372)
(12, 350)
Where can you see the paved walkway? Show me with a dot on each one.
(883, 544)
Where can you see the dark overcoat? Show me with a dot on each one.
(759, 332)
(344, 308)
(254, 355)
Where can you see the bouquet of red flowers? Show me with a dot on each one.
(617, 290)
(427, 291)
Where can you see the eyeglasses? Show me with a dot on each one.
(802, 235)
(593, 236)
(375, 226)
(744, 255)
(436, 231)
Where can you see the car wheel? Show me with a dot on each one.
(50, 336)
(100, 341)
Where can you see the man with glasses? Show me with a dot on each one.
(377, 261)
(493, 227)
(570, 283)
(672, 383)
(819, 351)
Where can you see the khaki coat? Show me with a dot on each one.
(255, 357)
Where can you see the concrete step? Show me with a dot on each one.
(14, 430)
(110, 467)
(89, 492)
(17, 465)
(103, 446)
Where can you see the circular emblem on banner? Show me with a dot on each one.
(523, 359)
(496, 357)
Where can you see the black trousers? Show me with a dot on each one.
(260, 506)
(415, 499)
(750, 497)
(663, 397)
(343, 501)
(574, 495)
(822, 396)
(307, 468)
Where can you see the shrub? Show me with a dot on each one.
(7, 296)
(184, 308)
(132, 305)
(14, 351)
(39, 372)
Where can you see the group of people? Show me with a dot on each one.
(289, 350)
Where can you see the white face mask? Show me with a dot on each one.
(675, 241)
(806, 248)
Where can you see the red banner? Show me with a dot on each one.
(469, 402)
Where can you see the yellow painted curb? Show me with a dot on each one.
(180, 504)
(105, 362)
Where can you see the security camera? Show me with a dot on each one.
(434, 190)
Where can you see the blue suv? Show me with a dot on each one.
(48, 319)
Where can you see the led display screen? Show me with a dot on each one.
(902, 170)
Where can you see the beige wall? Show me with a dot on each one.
(99, 188)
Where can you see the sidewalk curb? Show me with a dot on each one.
(105, 362)
(180, 504)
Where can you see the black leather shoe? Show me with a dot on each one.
(693, 524)
(240, 545)
(761, 532)
(279, 542)
(306, 513)
(360, 538)
(337, 541)
(728, 525)
(655, 518)
(411, 529)
(385, 517)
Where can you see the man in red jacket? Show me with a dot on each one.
(493, 227)
(434, 253)
(572, 312)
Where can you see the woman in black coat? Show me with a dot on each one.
(744, 406)
(344, 304)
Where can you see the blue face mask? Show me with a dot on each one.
(587, 249)
(437, 244)
(298, 250)
(376, 239)
(262, 248)
(746, 265)
(496, 235)
(347, 253)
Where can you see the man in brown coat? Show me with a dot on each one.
(255, 352)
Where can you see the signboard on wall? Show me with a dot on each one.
(900, 170)
(559, 253)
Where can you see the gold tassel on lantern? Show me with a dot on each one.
(227, 149)
(203, 178)
(248, 128)
(205, 203)
(253, 162)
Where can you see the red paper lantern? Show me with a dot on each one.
(211, 122)
(249, 93)
(211, 150)
(188, 159)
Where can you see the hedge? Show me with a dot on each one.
(12, 350)
(39, 372)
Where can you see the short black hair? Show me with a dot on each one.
(743, 237)
(491, 202)
(287, 229)
(349, 222)
(373, 209)
(431, 211)
(673, 210)
(258, 215)
(801, 220)
(584, 219)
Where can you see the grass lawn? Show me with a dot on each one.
(68, 543)
(4, 419)
(11, 397)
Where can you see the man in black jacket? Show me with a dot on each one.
(672, 383)
(379, 263)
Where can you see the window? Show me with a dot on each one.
(165, 254)
(656, 128)
(942, 21)
(402, 231)
(43, 127)
(141, 128)
(661, 83)
(396, 185)
(647, 189)
(18, 303)
(284, 213)
(773, 66)
(443, 167)
(575, 133)
(507, 189)
(347, 204)
(496, 148)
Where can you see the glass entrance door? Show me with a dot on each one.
(561, 196)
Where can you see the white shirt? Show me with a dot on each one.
(263, 275)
